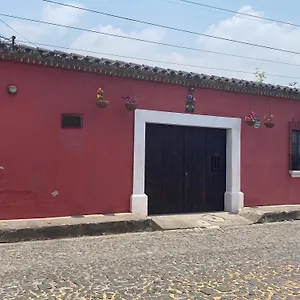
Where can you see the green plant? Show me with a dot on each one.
(260, 75)
(294, 84)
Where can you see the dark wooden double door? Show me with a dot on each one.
(185, 169)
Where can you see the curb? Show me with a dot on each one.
(256, 216)
(46, 230)
(76, 230)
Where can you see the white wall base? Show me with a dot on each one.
(233, 201)
(139, 204)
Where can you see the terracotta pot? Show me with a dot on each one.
(102, 103)
(269, 124)
(130, 106)
(250, 122)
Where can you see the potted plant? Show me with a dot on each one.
(100, 99)
(130, 102)
(269, 121)
(250, 119)
(190, 103)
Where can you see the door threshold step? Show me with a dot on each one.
(201, 220)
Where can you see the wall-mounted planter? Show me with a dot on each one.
(102, 103)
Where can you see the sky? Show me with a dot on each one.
(175, 14)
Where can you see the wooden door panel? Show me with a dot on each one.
(194, 169)
(153, 166)
(215, 169)
(173, 170)
(164, 168)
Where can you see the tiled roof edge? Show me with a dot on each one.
(59, 59)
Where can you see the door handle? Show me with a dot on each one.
(215, 162)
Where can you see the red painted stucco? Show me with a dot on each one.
(91, 168)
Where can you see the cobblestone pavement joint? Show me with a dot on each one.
(248, 262)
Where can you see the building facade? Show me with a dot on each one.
(63, 155)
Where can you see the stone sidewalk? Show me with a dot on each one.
(66, 227)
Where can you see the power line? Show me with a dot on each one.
(110, 34)
(11, 28)
(174, 28)
(210, 10)
(159, 61)
(239, 13)
(161, 44)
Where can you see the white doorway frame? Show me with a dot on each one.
(233, 197)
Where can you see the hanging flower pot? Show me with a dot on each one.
(100, 102)
(250, 122)
(190, 107)
(250, 119)
(130, 103)
(130, 106)
(269, 125)
(190, 102)
(269, 122)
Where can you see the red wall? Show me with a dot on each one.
(91, 168)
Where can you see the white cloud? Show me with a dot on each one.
(119, 46)
(257, 32)
(236, 27)
(42, 33)
(62, 14)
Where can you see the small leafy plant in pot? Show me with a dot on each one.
(269, 121)
(100, 99)
(130, 103)
(250, 119)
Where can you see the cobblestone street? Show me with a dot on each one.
(248, 262)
